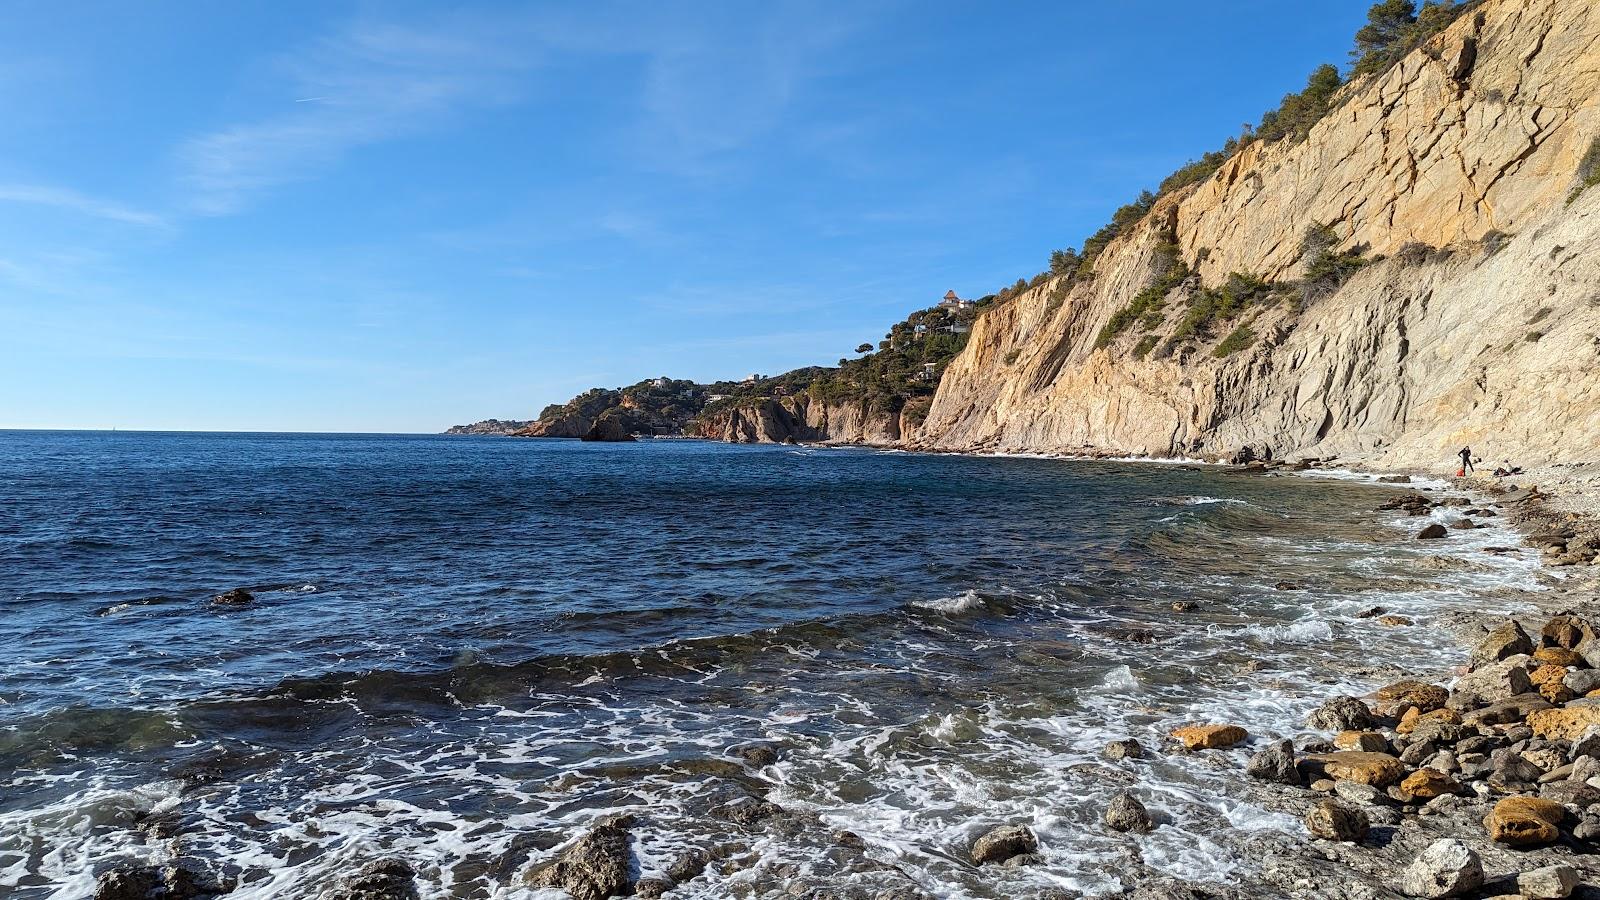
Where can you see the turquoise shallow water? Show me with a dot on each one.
(462, 649)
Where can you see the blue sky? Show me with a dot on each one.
(333, 216)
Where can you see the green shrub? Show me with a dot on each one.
(1011, 356)
(1237, 340)
(1214, 306)
(1146, 306)
(1327, 269)
(1145, 345)
(1396, 27)
(1296, 115)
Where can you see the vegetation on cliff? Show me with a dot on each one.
(654, 406)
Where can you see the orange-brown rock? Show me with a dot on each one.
(1565, 723)
(1377, 769)
(1559, 656)
(1425, 784)
(1209, 737)
(1413, 718)
(1524, 821)
(1547, 673)
(1370, 741)
(1556, 692)
(1394, 698)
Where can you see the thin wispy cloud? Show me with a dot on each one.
(72, 201)
(367, 84)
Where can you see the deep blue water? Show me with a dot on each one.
(462, 648)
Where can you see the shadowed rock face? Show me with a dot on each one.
(596, 866)
(1483, 340)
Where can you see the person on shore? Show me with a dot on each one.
(1466, 460)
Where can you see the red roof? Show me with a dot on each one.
(951, 295)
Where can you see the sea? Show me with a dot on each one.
(462, 652)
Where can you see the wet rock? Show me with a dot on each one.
(1548, 883)
(1288, 586)
(1567, 723)
(1489, 683)
(1376, 769)
(1334, 821)
(688, 865)
(756, 755)
(749, 811)
(1448, 868)
(594, 867)
(1394, 479)
(235, 597)
(1505, 640)
(1341, 714)
(1393, 621)
(385, 879)
(1126, 813)
(1395, 699)
(180, 879)
(1275, 763)
(1371, 612)
(1366, 741)
(1209, 737)
(1185, 605)
(1433, 532)
(1524, 821)
(1023, 860)
(652, 888)
(849, 840)
(1003, 843)
(1127, 748)
(127, 882)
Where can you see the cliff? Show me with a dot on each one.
(1464, 310)
(801, 419)
(658, 406)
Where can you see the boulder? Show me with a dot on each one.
(1586, 744)
(180, 879)
(1376, 769)
(1566, 630)
(1503, 640)
(1275, 762)
(756, 755)
(1413, 719)
(1395, 699)
(1369, 741)
(1506, 712)
(1549, 883)
(1582, 681)
(1490, 682)
(1546, 674)
(1524, 821)
(1433, 532)
(1426, 784)
(1439, 729)
(1335, 821)
(1558, 656)
(1001, 844)
(1448, 868)
(594, 867)
(1341, 714)
(1209, 737)
(1394, 621)
(1127, 748)
(1567, 723)
(1126, 813)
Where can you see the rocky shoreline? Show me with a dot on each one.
(1482, 781)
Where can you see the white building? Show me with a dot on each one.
(954, 303)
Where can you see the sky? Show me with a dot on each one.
(395, 217)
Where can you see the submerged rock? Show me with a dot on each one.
(1127, 748)
(180, 879)
(1448, 868)
(235, 597)
(1433, 532)
(1002, 843)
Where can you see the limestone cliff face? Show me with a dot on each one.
(1488, 336)
(803, 420)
